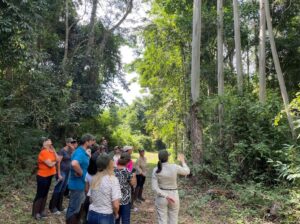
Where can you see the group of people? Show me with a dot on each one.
(103, 185)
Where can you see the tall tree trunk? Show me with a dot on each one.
(262, 52)
(220, 66)
(196, 128)
(91, 35)
(278, 68)
(238, 51)
(66, 36)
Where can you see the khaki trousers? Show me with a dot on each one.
(167, 213)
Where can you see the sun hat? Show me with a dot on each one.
(126, 148)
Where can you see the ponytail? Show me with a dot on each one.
(159, 167)
(159, 164)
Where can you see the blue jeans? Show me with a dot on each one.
(124, 214)
(62, 185)
(98, 218)
(76, 200)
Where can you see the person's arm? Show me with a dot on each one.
(183, 169)
(57, 158)
(58, 167)
(44, 157)
(87, 184)
(49, 163)
(145, 167)
(116, 196)
(76, 166)
(116, 207)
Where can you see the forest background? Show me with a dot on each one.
(58, 78)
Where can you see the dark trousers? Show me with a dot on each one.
(58, 193)
(140, 179)
(124, 214)
(43, 186)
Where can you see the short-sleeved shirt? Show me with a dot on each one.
(43, 169)
(65, 164)
(102, 198)
(124, 177)
(88, 178)
(75, 182)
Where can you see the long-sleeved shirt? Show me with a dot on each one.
(141, 166)
(167, 178)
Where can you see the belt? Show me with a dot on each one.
(168, 189)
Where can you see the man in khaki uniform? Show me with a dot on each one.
(164, 183)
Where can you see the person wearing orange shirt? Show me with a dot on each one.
(47, 160)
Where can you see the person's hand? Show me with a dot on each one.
(116, 216)
(170, 199)
(78, 174)
(89, 152)
(60, 177)
(181, 158)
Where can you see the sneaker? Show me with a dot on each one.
(56, 213)
(38, 216)
(43, 215)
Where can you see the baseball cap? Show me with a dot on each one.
(70, 140)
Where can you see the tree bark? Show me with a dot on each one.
(220, 66)
(91, 36)
(278, 68)
(262, 52)
(196, 128)
(66, 49)
(196, 42)
(237, 40)
(196, 136)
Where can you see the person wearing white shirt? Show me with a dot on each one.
(104, 192)
(164, 184)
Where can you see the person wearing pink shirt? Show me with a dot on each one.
(129, 150)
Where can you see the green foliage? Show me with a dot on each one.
(39, 95)
(250, 138)
(288, 163)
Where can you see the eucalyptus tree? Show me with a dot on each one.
(262, 52)
(220, 64)
(196, 126)
(278, 68)
(238, 50)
